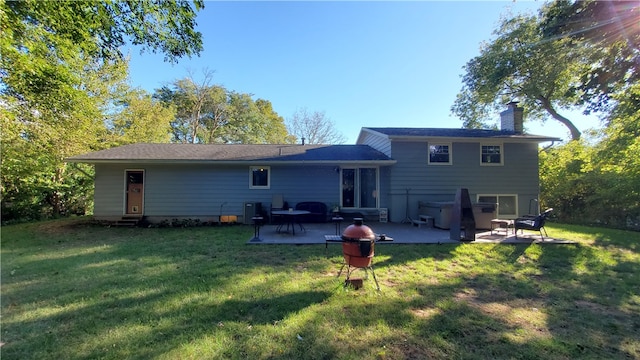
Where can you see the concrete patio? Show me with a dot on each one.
(402, 233)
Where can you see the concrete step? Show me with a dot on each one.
(418, 223)
(127, 222)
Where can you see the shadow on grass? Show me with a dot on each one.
(145, 293)
(568, 299)
(144, 325)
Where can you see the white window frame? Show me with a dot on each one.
(448, 144)
(498, 214)
(254, 168)
(483, 163)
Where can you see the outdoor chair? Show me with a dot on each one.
(277, 203)
(532, 223)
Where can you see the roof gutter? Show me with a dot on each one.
(231, 162)
(511, 138)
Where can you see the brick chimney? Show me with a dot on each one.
(512, 118)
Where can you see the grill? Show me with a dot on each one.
(358, 242)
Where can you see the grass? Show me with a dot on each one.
(71, 290)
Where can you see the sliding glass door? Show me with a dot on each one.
(359, 188)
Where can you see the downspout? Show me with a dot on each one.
(553, 142)
(75, 166)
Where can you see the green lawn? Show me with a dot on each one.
(71, 290)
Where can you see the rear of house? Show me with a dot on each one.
(403, 172)
(496, 166)
(194, 181)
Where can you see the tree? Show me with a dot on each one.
(140, 118)
(208, 113)
(617, 161)
(314, 127)
(610, 30)
(43, 44)
(581, 54)
(198, 104)
(572, 55)
(598, 181)
(37, 137)
(276, 131)
(101, 27)
(253, 122)
(61, 70)
(520, 64)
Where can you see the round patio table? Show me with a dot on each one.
(292, 217)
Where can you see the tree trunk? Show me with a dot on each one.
(196, 122)
(56, 198)
(575, 133)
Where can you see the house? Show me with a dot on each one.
(392, 168)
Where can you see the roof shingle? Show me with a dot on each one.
(233, 153)
(458, 133)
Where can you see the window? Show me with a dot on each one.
(491, 154)
(259, 177)
(507, 204)
(440, 154)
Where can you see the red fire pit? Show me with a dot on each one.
(358, 241)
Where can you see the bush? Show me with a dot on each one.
(590, 185)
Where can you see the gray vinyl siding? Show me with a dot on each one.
(385, 187)
(109, 191)
(378, 142)
(200, 190)
(382, 144)
(518, 175)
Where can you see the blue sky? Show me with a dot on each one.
(365, 64)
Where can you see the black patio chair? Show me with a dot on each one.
(532, 223)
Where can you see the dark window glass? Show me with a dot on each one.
(439, 153)
(260, 177)
(491, 154)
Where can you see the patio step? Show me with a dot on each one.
(127, 221)
(418, 223)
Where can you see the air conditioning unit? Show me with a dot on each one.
(251, 209)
